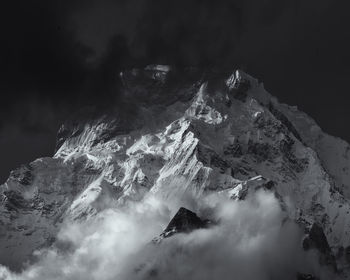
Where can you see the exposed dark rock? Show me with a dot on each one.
(218, 162)
(240, 95)
(184, 221)
(210, 158)
(240, 89)
(233, 150)
(347, 254)
(261, 151)
(260, 121)
(286, 147)
(316, 239)
(242, 194)
(304, 276)
(23, 174)
(283, 119)
(269, 185)
(14, 201)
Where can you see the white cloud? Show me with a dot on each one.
(253, 239)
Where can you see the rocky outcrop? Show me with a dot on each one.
(304, 276)
(316, 239)
(184, 221)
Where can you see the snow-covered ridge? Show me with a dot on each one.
(191, 135)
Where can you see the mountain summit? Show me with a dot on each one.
(191, 134)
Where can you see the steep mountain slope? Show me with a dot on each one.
(191, 134)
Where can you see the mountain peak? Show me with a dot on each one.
(184, 221)
(190, 134)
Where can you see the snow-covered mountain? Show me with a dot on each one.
(191, 133)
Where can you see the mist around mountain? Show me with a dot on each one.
(206, 176)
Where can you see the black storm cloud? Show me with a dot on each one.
(58, 56)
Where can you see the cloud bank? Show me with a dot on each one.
(249, 240)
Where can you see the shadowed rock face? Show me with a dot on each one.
(184, 221)
(302, 276)
(318, 240)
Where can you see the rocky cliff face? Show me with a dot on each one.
(191, 133)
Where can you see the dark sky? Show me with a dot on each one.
(57, 56)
